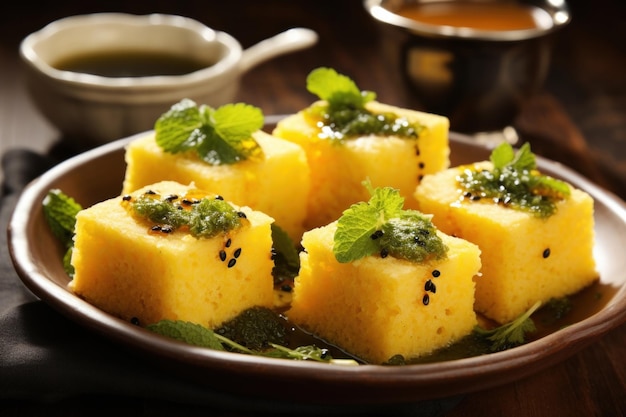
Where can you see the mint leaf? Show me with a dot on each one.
(353, 237)
(236, 122)
(524, 158)
(180, 128)
(342, 113)
(338, 89)
(381, 225)
(184, 331)
(217, 136)
(60, 212)
(502, 155)
(387, 201)
(326, 82)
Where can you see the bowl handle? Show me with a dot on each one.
(285, 42)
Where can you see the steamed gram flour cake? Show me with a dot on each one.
(396, 153)
(146, 270)
(381, 305)
(526, 257)
(338, 169)
(276, 183)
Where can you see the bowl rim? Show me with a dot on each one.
(557, 10)
(227, 66)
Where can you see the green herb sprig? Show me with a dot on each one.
(218, 136)
(60, 212)
(197, 335)
(479, 342)
(511, 334)
(339, 90)
(343, 113)
(381, 225)
(515, 182)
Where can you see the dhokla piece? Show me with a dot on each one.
(525, 258)
(277, 184)
(338, 169)
(376, 308)
(130, 269)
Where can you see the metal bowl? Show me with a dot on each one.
(478, 78)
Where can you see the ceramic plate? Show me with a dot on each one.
(97, 175)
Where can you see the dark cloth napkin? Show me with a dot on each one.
(47, 358)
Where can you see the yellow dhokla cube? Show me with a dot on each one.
(277, 184)
(130, 271)
(376, 308)
(525, 258)
(338, 169)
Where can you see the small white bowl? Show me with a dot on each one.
(98, 109)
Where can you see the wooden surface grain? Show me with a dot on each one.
(579, 119)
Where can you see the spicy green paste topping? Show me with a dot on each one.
(514, 182)
(382, 226)
(343, 113)
(201, 217)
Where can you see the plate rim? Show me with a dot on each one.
(457, 373)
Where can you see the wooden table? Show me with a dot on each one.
(579, 119)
